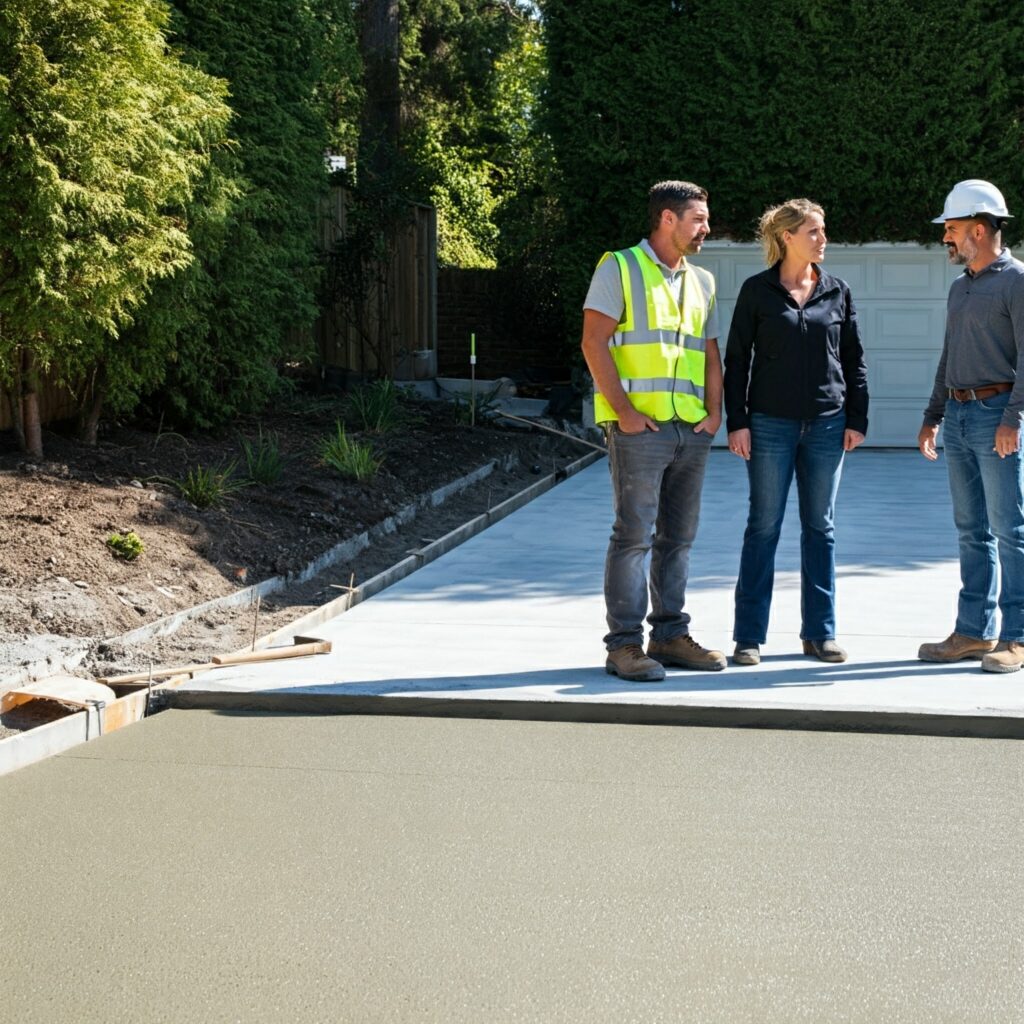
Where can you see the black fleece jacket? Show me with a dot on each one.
(796, 363)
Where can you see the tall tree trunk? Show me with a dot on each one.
(31, 425)
(378, 41)
(89, 418)
(14, 403)
(90, 405)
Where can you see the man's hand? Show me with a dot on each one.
(926, 441)
(1007, 441)
(709, 425)
(633, 422)
(739, 442)
(851, 438)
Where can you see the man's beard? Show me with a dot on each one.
(962, 255)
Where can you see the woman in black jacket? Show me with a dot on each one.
(796, 400)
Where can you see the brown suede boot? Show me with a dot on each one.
(956, 647)
(824, 650)
(685, 652)
(1007, 657)
(630, 663)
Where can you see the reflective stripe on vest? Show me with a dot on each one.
(659, 348)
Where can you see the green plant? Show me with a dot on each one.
(126, 545)
(263, 461)
(468, 409)
(377, 406)
(349, 458)
(207, 486)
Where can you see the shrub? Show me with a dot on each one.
(263, 461)
(377, 406)
(349, 458)
(126, 545)
(207, 486)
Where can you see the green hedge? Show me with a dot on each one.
(873, 109)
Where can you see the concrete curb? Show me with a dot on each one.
(721, 717)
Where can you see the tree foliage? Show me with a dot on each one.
(252, 295)
(460, 69)
(104, 137)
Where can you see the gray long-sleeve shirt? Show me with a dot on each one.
(984, 341)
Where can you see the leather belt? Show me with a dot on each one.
(973, 394)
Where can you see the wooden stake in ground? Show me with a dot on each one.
(351, 589)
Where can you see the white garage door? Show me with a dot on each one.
(900, 294)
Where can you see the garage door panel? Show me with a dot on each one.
(854, 271)
(910, 279)
(909, 325)
(901, 375)
(894, 423)
(731, 267)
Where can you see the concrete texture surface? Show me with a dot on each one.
(208, 866)
(514, 618)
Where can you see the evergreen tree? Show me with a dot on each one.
(104, 136)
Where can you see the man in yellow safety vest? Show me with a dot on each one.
(650, 329)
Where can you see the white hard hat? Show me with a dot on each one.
(972, 198)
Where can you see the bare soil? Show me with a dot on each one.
(62, 588)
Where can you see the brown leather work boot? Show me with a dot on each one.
(1007, 657)
(824, 650)
(956, 647)
(630, 663)
(685, 652)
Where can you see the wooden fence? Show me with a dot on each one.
(391, 327)
(55, 403)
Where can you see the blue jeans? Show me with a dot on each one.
(813, 449)
(656, 484)
(988, 509)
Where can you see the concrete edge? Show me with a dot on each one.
(915, 723)
(424, 556)
(55, 737)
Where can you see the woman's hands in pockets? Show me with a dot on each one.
(739, 442)
(852, 438)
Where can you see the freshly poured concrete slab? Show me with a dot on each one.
(510, 623)
(270, 868)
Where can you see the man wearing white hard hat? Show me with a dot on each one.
(979, 398)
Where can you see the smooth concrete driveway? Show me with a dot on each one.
(215, 867)
(511, 622)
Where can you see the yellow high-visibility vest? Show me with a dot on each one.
(659, 348)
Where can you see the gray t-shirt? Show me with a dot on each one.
(605, 292)
(984, 341)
